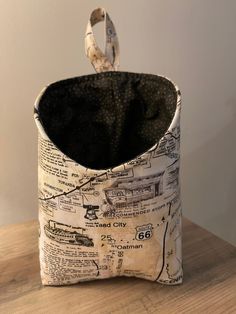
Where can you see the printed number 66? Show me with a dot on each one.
(144, 235)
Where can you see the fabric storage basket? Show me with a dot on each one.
(108, 172)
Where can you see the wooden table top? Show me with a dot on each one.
(209, 280)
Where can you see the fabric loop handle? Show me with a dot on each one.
(100, 61)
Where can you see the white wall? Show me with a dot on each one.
(192, 42)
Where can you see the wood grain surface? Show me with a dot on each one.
(209, 280)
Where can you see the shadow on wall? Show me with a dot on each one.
(208, 177)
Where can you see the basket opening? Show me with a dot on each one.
(103, 120)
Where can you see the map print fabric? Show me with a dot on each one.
(120, 220)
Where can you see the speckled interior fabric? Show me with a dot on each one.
(102, 120)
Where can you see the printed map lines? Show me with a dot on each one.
(164, 247)
(76, 188)
(96, 267)
(172, 135)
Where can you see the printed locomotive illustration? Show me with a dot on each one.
(67, 234)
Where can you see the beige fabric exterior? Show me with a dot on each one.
(122, 221)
